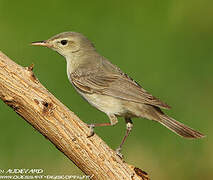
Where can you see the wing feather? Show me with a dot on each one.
(116, 85)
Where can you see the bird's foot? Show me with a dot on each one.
(118, 152)
(91, 127)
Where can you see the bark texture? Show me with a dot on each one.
(21, 90)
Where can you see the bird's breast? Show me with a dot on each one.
(106, 104)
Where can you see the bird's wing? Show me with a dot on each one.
(116, 85)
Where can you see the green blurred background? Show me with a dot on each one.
(166, 46)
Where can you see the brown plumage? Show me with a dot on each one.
(107, 88)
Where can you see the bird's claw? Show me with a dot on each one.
(91, 127)
(118, 152)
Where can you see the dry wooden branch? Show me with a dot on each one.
(21, 90)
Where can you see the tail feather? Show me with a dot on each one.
(179, 128)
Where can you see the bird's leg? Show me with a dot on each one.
(129, 126)
(113, 121)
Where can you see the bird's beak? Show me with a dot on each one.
(41, 43)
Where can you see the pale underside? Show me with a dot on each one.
(110, 80)
(110, 90)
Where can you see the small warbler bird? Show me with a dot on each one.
(107, 88)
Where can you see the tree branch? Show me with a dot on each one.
(21, 90)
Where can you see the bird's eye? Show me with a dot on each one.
(64, 42)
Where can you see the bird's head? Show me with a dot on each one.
(67, 43)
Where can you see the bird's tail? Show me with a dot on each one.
(179, 128)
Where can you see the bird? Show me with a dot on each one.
(106, 87)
